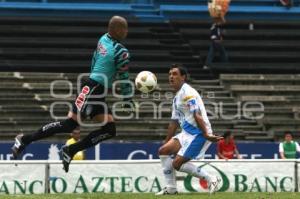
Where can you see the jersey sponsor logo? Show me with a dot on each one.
(81, 97)
(192, 105)
(187, 98)
(192, 102)
(101, 49)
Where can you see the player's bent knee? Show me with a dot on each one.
(110, 128)
(160, 151)
(103, 118)
(163, 151)
(69, 125)
(72, 115)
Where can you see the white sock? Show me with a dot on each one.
(194, 171)
(169, 172)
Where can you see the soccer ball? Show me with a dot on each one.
(145, 81)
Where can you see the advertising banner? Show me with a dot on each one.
(235, 176)
(143, 176)
(249, 176)
(107, 177)
(22, 178)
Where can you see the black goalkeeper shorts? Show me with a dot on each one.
(91, 100)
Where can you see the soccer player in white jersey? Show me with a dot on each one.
(188, 112)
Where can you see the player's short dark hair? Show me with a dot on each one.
(183, 71)
(288, 133)
(227, 134)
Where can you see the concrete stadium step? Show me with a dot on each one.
(258, 56)
(69, 31)
(273, 115)
(279, 134)
(248, 45)
(212, 94)
(76, 66)
(28, 109)
(76, 54)
(202, 87)
(21, 101)
(281, 122)
(45, 95)
(274, 24)
(265, 88)
(260, 78)
(37, 87)
(213, 82)
(257, 127)
(13, 95)
(243, 34)
(262, 98)
(259, 135)
(27, 117)
(282, 129)
(284, 104)
(74, 42)
(259, 67)
(18, 77)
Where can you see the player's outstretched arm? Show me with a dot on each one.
(201, 124)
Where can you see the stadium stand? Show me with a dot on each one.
(148, 10)
(263, 50)
(29, 108)
(63, 46)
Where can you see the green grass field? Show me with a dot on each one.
(152, 196)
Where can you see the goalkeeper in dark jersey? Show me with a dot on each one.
(110, 61)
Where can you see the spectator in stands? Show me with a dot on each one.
(289, 148)
(287, 3)
(110, 61)
(226, 148)
(75, 137)
(216, 45)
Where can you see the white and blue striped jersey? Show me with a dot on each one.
(186, 101)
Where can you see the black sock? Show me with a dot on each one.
(106, 132)
(66, 126)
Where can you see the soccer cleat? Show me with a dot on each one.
(66, 157)
(166, 191)
(213, 184)
(18, 147)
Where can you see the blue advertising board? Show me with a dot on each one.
(132, 150)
